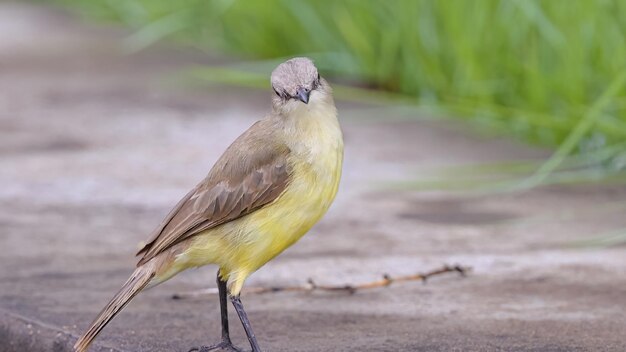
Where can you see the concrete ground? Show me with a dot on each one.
(95, 148)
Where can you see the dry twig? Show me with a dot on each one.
(312, 286)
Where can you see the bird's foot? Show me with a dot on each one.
(222, 346)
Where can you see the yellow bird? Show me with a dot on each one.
(265, 192)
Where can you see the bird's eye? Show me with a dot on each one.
(316, 83)
(275, 91)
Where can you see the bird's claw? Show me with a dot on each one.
(222, 346)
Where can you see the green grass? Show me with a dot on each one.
(549, 72)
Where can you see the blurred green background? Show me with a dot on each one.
(551, 73)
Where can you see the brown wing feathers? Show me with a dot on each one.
(235, 187)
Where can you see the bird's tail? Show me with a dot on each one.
(137, 281)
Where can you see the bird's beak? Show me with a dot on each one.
(303, 95)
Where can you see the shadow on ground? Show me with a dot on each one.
(12, 341)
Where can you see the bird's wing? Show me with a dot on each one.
(250, 175)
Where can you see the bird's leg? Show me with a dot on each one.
(221, 286)
(226, 344)
(245, 322)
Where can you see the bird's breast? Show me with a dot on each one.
(315, 164)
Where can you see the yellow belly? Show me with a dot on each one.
(244, 245)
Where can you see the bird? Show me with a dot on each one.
(268, 189)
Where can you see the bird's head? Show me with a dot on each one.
(296, 82)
